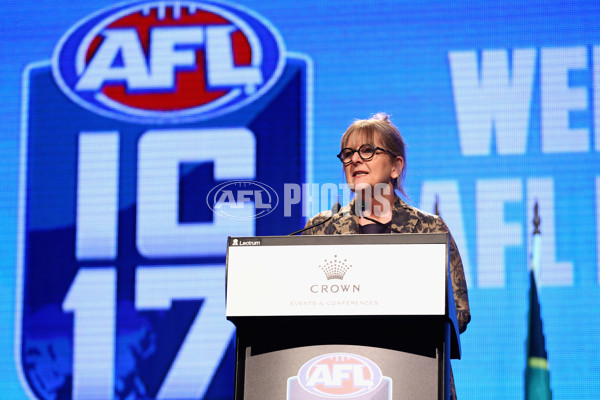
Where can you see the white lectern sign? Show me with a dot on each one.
(345, 275)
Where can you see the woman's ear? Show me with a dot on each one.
(397, 167)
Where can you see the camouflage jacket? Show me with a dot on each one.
(405, 219)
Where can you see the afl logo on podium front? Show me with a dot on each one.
(339, 376)
(168, 61)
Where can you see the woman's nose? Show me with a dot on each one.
(356, 158)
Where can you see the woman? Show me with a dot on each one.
(374, 158)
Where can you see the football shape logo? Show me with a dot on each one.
(339, 375)
(168, 61)
(231, 195)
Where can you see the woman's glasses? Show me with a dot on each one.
(366, 152)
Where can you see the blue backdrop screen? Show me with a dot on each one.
(137, 136)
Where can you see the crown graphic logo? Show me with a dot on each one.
(336, 268)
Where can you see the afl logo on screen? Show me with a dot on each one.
(168, 61)
(339, 375)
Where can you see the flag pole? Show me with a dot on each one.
(537, 374)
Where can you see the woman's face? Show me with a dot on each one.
(381, 169)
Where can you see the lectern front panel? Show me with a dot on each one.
(339, 371)
(354, 317)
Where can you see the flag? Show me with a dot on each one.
(537, 374)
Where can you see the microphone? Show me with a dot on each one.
(334, 210)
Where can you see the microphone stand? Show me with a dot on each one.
(334, 210)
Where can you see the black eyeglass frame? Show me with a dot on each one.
(375, 148)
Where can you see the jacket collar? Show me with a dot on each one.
(404, 219)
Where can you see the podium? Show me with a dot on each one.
(343, 316)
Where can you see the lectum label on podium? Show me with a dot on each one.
(336, 275)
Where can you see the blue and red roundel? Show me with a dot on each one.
(168, 61)
(340, 375)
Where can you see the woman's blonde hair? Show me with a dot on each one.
(380, 127)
